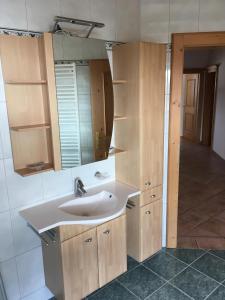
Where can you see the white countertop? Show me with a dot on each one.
(43, 217)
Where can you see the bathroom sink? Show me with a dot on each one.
(94, 207)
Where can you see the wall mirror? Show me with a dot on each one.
(85, 99)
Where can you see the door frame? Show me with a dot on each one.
(180, 41)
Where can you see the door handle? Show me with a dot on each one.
(148, 212)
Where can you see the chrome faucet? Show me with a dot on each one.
(78, 187)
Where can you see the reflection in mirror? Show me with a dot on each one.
(85, 99)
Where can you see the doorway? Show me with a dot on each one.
(182, 42)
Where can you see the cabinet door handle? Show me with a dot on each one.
(88, 240)
(107, 231)
(153, 196)
(147, 183)
(148, 212)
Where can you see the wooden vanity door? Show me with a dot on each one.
(151, 229)
(80, 265)
(112, 252)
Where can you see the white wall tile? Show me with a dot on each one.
(127, 20)
(30, 271)
(41, 13)
(103, 11)
(10, 279)
(57, 183)
(42, 294)
(24, 238)
(212, 15)
(4, 131)
(7, 247)
(86, 172)
(22, 190)
(79, 9)
(183, 16)
(13, 14)
(155, 20)
(4, 203)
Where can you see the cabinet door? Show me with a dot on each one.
(152, 101)
(151, 229)
(80, 265)
(112, 254)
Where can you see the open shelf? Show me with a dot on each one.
(115, 151)
(30, 127)
(26, 82)
(119, 118)
(119, 81)
(26, 171)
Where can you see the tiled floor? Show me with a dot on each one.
(201, 216)
(171, 274)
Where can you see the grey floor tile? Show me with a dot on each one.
(165, 265)
(168, 292)
(219, 253)
(114, 291)
(131, 263)
(211, 266)
(186, 255)
(194, 283)
(218, 294)
(141, 281)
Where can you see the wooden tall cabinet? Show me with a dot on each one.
(28, 73)
(140, 67)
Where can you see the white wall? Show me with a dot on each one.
(20, 252)
(160, 18)
(218, 57)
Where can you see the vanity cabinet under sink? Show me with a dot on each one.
(85, 261)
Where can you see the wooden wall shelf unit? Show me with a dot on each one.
(141, 100)
(28, 73)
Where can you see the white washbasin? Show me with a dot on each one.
(94, 207)
(101, 204)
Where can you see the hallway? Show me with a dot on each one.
(201, 212)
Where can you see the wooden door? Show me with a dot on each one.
(190, 106)
(112, 251)
(80, 265)
(151, 229)
(208, 108)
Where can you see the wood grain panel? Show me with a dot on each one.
(112, 250)
(80, 265)
(151, 229)
(152, 99)
(151, 195)
(68, 231)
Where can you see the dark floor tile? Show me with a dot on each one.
(218, 294)
(219, 253)
(114, 291)
(53, 298)
(168, 292)
(194, 283)
(131, 263)
(211, 266)
(141, 281)
(165, 265)
(186, 255)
